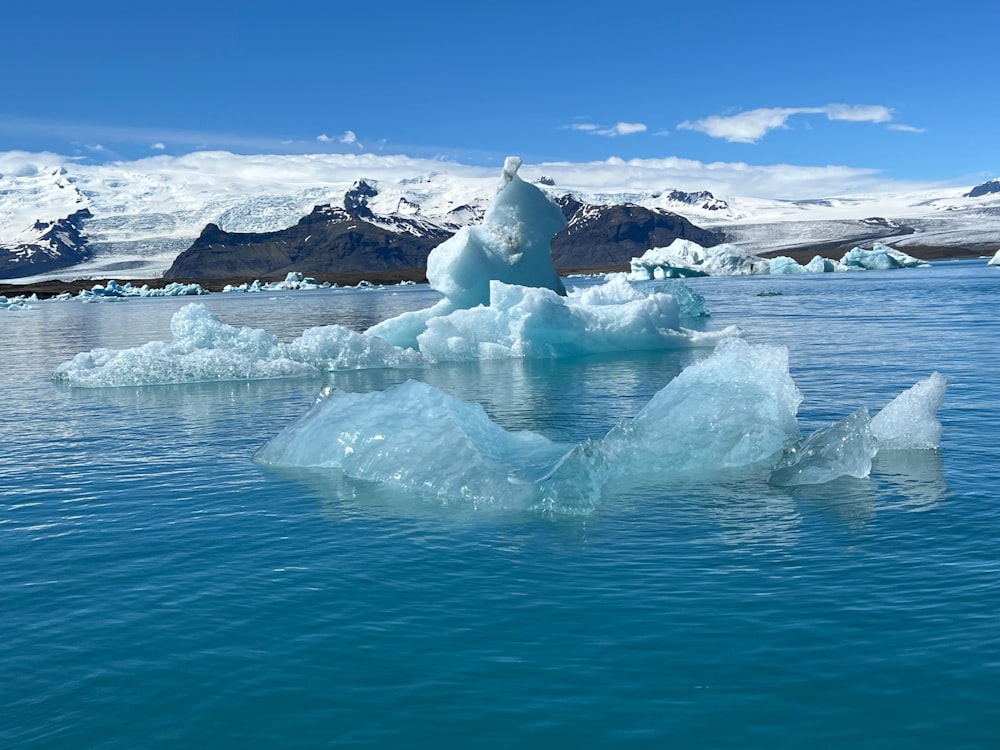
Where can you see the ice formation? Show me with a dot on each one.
(20, 302)
(735, 410)
(506, 262)
(847, 447)
(419, 439)
(995, 260)
(880, 258)
(294, 281)
(908, 422)
(202, 348)
(113, 290)
(512, 245)
(535, 322)
(686, 258)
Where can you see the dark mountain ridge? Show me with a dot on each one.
(333, 240)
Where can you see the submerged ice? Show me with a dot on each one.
(735, 410)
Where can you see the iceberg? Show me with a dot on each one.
(733, 413)
(848, 447)
(881, 257)
(293, 281)
(908, 422)
(684, 258)
(845, 448)
(512, 245)
(995, 260)
(536, 322)
(502, 299)
(420, 440)
(202, 348)
(20, 302)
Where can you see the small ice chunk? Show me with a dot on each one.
(909, 421)
(842, 449)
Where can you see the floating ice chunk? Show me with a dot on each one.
(785, 265)
(403, 329)
(733, 409)
(683, 258)
(690, 304)
(995, 260)
(20, 302)
(512, 245)
(531, 322)
(880, 258)
(114, 291)
(844, 448)
(202, 348)
(293, 281)
(421, 440)
(909, 421)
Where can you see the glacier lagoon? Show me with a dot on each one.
(163, 588)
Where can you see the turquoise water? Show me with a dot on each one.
(159, 589)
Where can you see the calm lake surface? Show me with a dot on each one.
(158, 589)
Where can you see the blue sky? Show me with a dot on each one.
(911, 92)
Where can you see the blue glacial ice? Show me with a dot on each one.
(512, 245)
(847, 448)
(733, 411)
(202, 348)
(684, 258)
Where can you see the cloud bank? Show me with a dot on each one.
(619, 128)
(752, 125)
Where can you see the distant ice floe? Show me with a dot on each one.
(732, 412)
(684, 258)
(20, 302)
(115, 291)
(294, 281)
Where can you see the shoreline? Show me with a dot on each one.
(54, 287)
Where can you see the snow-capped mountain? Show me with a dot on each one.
(60, 218)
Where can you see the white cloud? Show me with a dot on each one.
(158, 146)
(754, 124)
(781, 181)
(905, 128)
(619, 128)
(857, 112)
(349, 138)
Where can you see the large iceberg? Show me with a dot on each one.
(512, 245)
(502, 298)
(733, 411)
